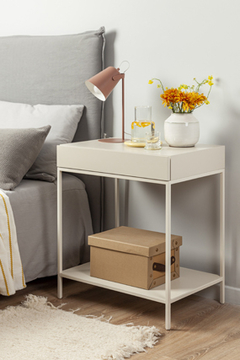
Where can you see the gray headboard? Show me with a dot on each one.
(52, 70)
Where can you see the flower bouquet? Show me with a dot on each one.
(184, 99)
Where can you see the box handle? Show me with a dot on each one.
(161, 267)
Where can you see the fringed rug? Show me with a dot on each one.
(37, 330)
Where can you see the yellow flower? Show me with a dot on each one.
(210, 77)
(207, 102)
(170, 107)
(210, 83)
(158, 85)
(150, 82)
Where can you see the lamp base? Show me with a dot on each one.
(111, 140)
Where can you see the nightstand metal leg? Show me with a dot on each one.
(117, 204)
(222, 236)
(168, 256)
(59, 233)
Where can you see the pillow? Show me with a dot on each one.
(18, 150)
(63, 120)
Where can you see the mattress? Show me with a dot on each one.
(34, 205)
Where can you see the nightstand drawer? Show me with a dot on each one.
(167, 164)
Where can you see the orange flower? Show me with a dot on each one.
(186, 101)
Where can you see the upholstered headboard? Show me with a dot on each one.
(52, 70)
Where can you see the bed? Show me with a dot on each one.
(50, 71)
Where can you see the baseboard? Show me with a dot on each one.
(232, 295)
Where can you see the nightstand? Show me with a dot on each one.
(165, 167)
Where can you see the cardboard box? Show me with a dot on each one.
(131, 256)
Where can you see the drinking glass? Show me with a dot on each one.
(153, 140)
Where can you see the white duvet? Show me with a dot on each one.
(11, 271)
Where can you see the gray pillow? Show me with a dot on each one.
(63, 120)
(18, 151)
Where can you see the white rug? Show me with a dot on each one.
(37, 330)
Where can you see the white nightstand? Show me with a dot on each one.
(167, 167)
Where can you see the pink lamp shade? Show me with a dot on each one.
(102, 84)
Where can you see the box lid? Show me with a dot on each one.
(133, 241)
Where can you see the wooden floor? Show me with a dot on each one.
(201, 328)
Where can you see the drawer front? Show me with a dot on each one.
(132, 164)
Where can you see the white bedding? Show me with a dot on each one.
(11, 271)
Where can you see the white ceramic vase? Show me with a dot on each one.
(181, 130)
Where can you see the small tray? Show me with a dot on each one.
(134, 144)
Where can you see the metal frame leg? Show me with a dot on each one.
(117, 203)
(222, 236)
(168, 256)
(59, 233)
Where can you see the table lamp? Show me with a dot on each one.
(101, 85)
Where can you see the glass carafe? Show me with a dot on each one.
(143, 123)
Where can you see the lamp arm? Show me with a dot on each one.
(118, 77)
(123, 110)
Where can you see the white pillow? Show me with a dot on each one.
(63, 120)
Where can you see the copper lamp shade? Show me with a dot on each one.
(101, 86)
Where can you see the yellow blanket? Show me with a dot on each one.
(11, 271)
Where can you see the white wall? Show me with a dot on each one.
(174, 40)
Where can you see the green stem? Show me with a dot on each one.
(209, 91)
(160, 83)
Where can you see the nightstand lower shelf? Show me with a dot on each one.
(189, 282)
